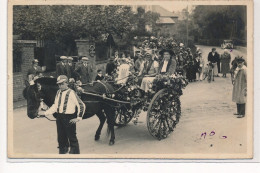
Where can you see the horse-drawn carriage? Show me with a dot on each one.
(162, 102)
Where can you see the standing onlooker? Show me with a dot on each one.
(240, 87)
(83, 71)
(34, 71)
(197, 69)
(225, 61)
(214, 58)
(202, 66)
(61, 67)
(70, 68)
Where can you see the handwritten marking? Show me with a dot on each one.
(212, 133)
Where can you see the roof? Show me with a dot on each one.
(162, 11)
(165, 20)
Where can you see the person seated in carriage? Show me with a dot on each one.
(169, 63)
(150, 70)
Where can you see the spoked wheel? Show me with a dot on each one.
(163, 114)
(123, 116)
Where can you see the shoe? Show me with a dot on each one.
(74, 150)
(240, 116)
(235, 114)
(63, 150)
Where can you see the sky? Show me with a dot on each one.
(173, 6)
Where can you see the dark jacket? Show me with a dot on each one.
(214, 58)
(110, 67)
(99, 78)
(171, 66)
(83, 73)
(61, 69)
(70, 71)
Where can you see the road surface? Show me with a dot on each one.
(207, 126)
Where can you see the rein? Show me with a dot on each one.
(106, 98)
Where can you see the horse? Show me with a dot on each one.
(45, 90)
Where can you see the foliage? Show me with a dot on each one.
(222, 21)
(64, 24)
(172, 82)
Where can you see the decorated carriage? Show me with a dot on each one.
(162, 102)
(119, 99)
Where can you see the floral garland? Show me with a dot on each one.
(172, 82)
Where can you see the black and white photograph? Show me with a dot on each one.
(141, 79)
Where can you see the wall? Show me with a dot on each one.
(19, 77)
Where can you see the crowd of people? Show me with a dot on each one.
(147, 64)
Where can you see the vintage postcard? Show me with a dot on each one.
(130, 79)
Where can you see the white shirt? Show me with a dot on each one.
(164, 67)
(70, 107)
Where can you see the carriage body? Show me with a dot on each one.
(162, 103)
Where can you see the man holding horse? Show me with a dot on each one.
(65, 104)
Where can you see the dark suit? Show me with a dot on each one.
(70, 71)
(83, 73)
(171, 66)
(214, 59)
(61, 69)
(110, 67)
(99, 78)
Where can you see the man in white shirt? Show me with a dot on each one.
(65, 105)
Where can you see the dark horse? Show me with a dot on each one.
(45, 90)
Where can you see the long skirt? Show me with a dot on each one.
(146, 83)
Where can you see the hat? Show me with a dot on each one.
(62, 78)
(85, 58)
(70, 58)
(166, 50)
(63, 57)
(240, 59)
(35, 61)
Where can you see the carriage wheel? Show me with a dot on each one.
(123, 116)
(163, 114)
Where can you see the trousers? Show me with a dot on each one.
(241, 108)
(67, 134)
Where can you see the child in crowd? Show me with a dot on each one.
(99, 76)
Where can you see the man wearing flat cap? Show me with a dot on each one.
(70, 68)
(169, 63)
(239, 82)
(83, 71)
(65, 104)
(61, 67)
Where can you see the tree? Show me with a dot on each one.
(220, 22)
